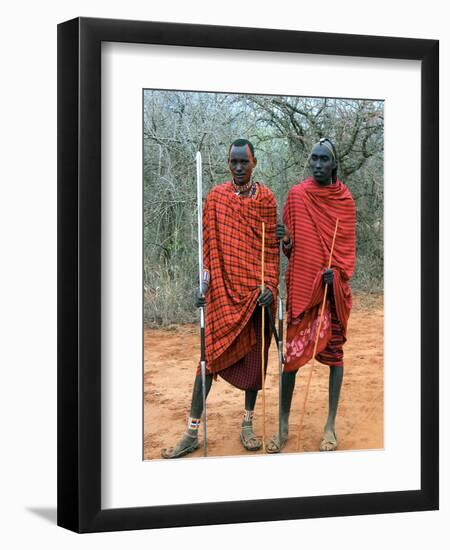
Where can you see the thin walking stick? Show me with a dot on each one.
(317, 340)
(280, 345)
(262, 339)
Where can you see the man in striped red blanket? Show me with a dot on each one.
(309, 220)
(232, 246)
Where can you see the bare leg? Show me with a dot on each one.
(329, 441)
(189, 440)
(197, 396)
(248, 438)
(287, 391)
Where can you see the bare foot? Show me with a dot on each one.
(329, 441)
(273, 445)
(187, 444)
(248, 439)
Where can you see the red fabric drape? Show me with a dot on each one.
(232, 231)
(310, 215)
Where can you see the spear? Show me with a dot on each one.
(200, 278)
(317, 339)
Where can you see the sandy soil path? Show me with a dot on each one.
(170, 358)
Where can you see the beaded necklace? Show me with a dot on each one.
(249, 188)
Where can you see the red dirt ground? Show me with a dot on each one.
(170, 359)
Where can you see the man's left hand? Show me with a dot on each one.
(265, 298)
(328, 276)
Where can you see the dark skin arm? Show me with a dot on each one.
(282, 232)
(200, 298)
(328, 276)
(265, 298)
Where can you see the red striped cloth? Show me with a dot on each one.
(310, 215)
(246, 374)
(333, 353)
(232, 231)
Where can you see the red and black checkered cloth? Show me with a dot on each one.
(246, 373)
(232, 232)
(310, 215)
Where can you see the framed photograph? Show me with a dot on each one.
(139, 103)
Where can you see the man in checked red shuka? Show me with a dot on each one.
(233, 215)
(309, 222)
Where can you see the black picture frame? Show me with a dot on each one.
(79, 274)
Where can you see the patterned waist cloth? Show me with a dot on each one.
(301, 336)
(245, 374)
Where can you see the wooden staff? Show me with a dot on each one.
(317, 340)
(262, 339)
(280, 344)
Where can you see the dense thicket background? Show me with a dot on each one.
(283, 130)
